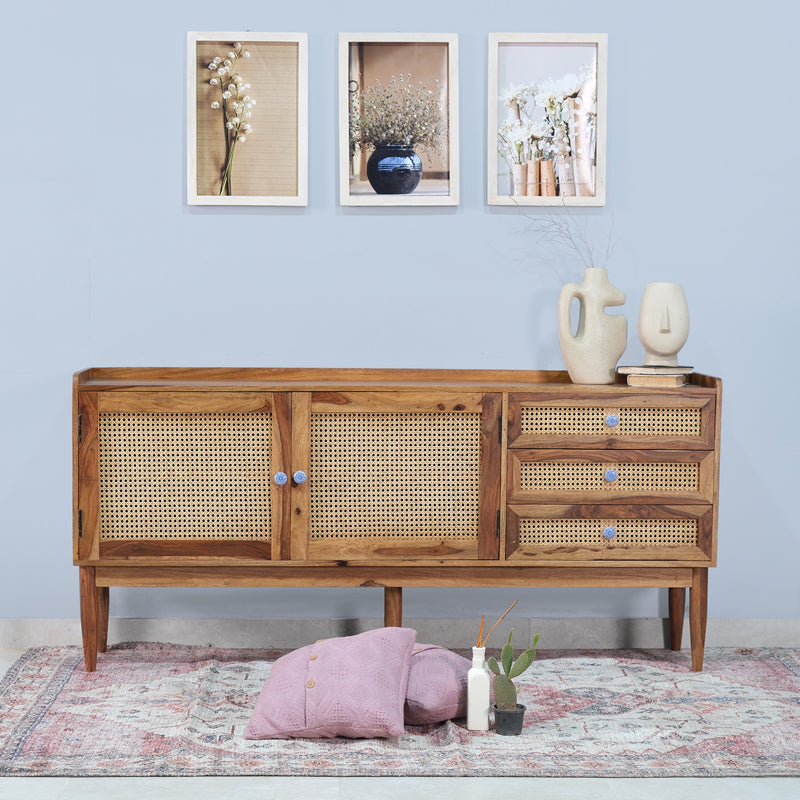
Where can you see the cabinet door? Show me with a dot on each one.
(181, 474)
(396, 475)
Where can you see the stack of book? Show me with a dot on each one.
(656, 376)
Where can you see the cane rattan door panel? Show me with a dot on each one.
(391, 477)
(609, 532)
(614, 419)
(186, 474)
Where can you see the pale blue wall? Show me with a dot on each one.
(104, 264)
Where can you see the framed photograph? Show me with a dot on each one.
(398, 119)
(247, 115)
(547, 119)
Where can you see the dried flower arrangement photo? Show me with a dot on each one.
(398, 120)
(547, 110)
(247, 137)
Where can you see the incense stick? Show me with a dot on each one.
(480, 632)
(495, 625)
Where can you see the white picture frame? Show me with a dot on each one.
(399, 68)
(227, 162)
(547, 101)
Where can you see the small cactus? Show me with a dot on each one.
(505, 692)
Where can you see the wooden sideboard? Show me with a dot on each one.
(392, 478)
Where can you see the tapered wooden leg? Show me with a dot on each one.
(89, 617)
(393, 606)
(677, 609)
(698, 615)
(102, 618)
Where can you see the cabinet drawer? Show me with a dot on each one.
(614, 419)
(605, 476)
(586, 533)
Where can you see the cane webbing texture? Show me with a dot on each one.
(555, 420)
(413, 475)
(634, 532)
(591, 421)
(660, 421)
(574, 476)
(184, 476)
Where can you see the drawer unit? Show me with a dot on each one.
(613, 419)
(547, 476)
(610, 474)
(609, 533)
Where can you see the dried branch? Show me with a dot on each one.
(569, 232)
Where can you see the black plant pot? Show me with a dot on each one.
(394, 169)
(508, 721)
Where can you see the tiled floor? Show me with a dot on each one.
(393, 788)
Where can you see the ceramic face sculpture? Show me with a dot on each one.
(663, 323)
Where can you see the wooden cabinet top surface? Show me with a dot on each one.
(352, 379)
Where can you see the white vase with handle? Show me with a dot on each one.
(592, 352)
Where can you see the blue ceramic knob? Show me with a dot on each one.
(280, 478)
(612, 420)
(611, 475)
(609, 532)
(300, 476)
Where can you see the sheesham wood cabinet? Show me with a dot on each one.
(392, 478)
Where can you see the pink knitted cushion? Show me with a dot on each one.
(352, 686)
(437, 685)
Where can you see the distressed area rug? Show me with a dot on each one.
(168, 710)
